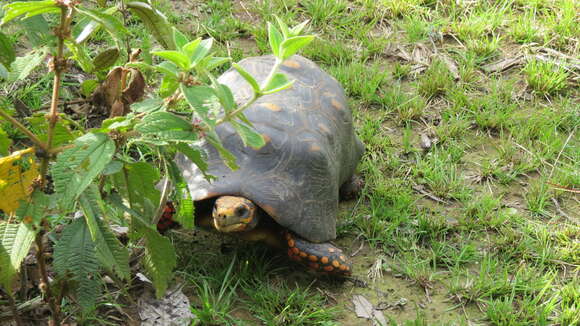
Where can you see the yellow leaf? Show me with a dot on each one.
(17, 172)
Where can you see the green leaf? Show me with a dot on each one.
(15, 242)
(190, 47)
(155, 22)
(225, 97)
(76, 167)
(195, 155)
(295, 31)
(75, 257)
(34, 209)
(228, 158)
(275, 39)
(136, 184)
(113, 167)
(81, 56)
(178, 58)
(248, 77)
(7, 54)
(279, 82)
(5, 143)
(283, 27)
(109, 250)
(249, 136)
(185, 207)
(201, 51)
(62, 133)
(87, 26)
(148, 105)
(109, 22)
(165, 126)
(28, 9)
(105, 59)
(37, 30)
(202, 100)
(88, 87)
(23, 66)
(179, 38)
(168, 68)
(122, 123)
(292, 45)
(210, 63)
(168, 86)
(159, 260)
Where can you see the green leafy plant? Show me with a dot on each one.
(94, 170)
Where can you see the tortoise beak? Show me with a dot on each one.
(225, 220)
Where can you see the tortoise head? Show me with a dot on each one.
(234, 214)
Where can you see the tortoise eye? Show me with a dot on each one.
(241, 211)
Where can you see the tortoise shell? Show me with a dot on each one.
(311, 149)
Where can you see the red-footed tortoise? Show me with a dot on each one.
(286, 193)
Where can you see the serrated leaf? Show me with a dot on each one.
(279, 82)
(136, 184)
(195, 155)
(7, 54)
(28, 9)
(166, 127)
(75, 257)
(76, 167)
(35, 28)
(81, 56)
(292, 45)
(228, 158)
(109, 22)
(179, 38)
(23, 66)
(148, 105)
(202, 99)
(113, 167)
(178, 58)
(110, 252)
(159, 260)
(249, 136)
(105, 59)
(5, 143)
(185, 206)
(248, 77)
(155, 22)
(15, 242)
(62, 133)
(275, 38)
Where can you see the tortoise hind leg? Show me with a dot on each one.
(351, 188)
(321, 257)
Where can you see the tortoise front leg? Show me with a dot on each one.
(321, 257)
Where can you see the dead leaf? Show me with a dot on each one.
(136, 89)
(452, 66)
(426, 142)
(171, 310)
(504, 64)
(364, 309)
(118, 109)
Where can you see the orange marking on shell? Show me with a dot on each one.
(329, 94)
(314, 148)
(295, 250)
(291, 64)
(343, 267)
(342, 257)
(331, 250)
(323, 128)
(328, 268)
(324, 260)
(335, 263)
(312, 258)
(271, 107)
(336, 104)
(314, 265)
(303, 254)
(291, 243)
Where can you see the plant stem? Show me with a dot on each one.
(44, 276)
(59, 67)
(255, 97)
(22, 128)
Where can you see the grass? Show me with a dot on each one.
(486, 217)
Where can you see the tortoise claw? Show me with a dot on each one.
(321, 257)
